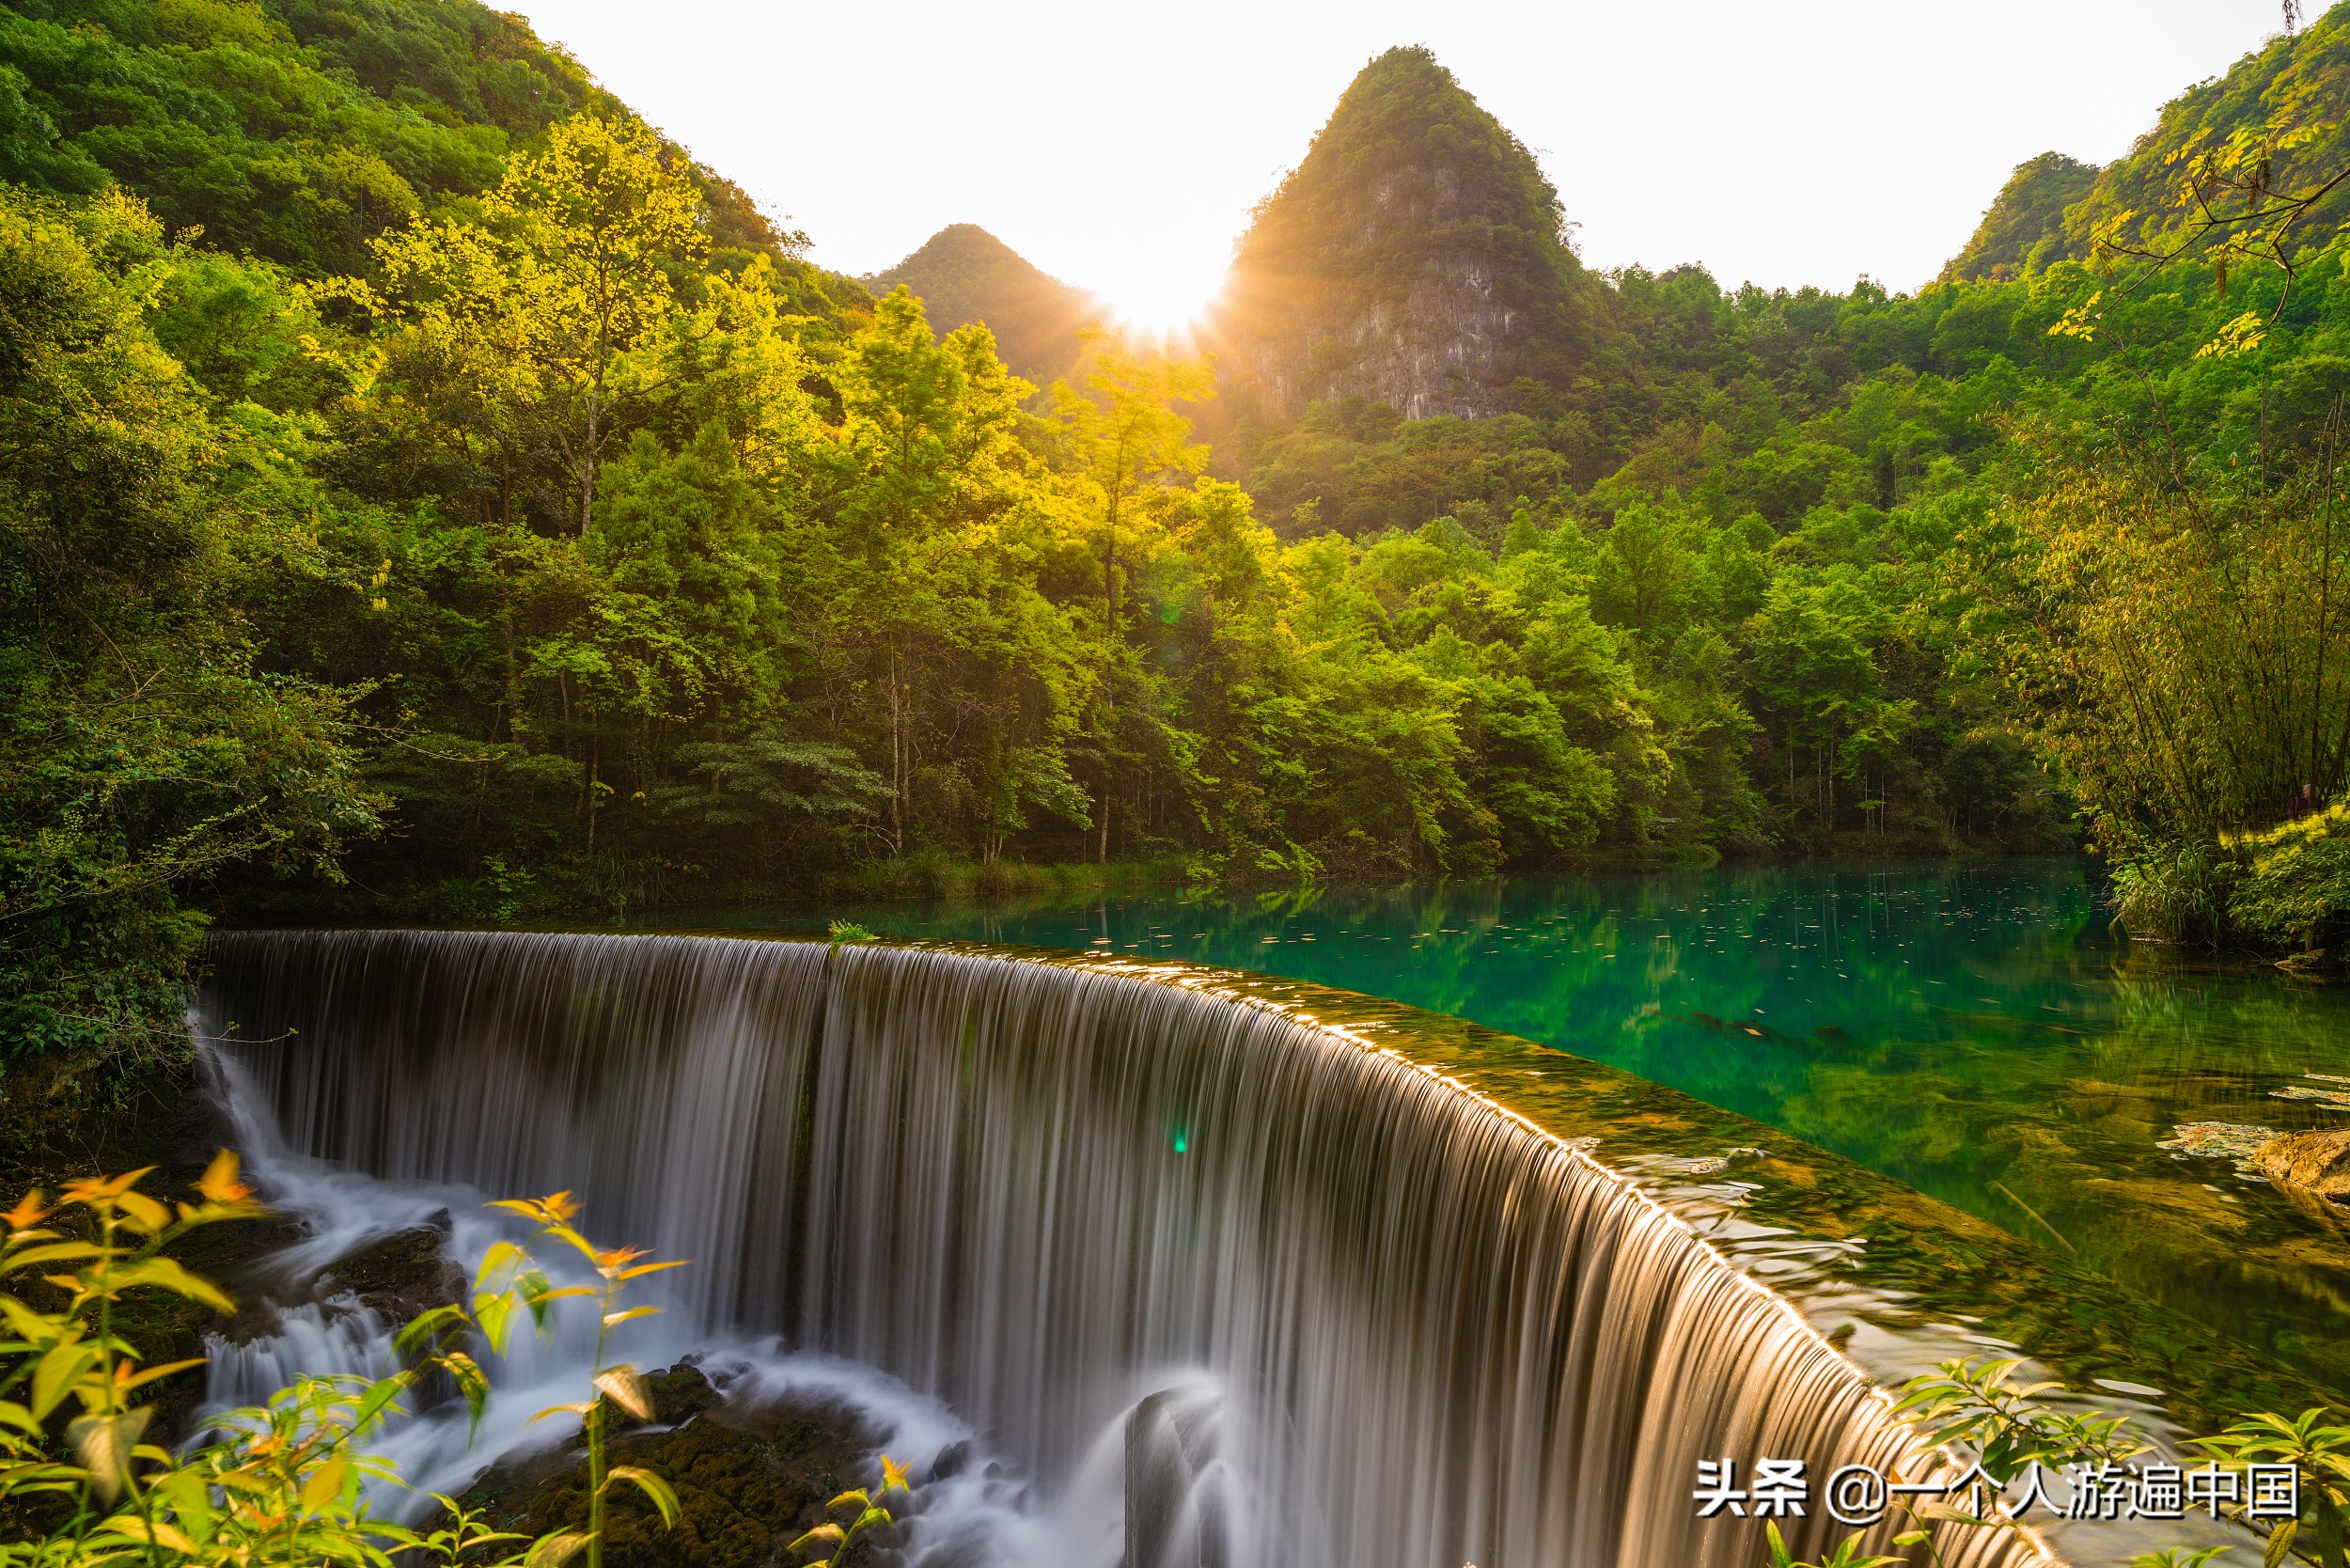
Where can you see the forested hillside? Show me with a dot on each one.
(2284, 103)
(298, 130)
(963, 276)
(430, 494)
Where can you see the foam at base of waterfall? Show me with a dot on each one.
(1040, 1195)
(976, 1516)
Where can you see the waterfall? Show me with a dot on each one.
(1315, 1305)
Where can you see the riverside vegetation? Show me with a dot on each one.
(288, 1482)
(430, 494)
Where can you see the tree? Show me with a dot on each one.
(560, 302)
(1124, 437)
(141, 751)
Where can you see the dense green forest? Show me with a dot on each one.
(430, 494)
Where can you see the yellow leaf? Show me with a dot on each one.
(105, 1443)
(131, 1526)
(501, 1255)
(553, 1551)
(151, 1374)
(651, 1485)
(28, 1213)
(623, 1388)
(219, 1182)
(52, 1253)
(95, 1192)
(165, 1274)
(57, 1372)
(323, 1485)
(142, 1212)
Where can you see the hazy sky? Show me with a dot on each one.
(1120, 146)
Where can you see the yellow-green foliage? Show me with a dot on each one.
(282, 1483)
(2295, 883)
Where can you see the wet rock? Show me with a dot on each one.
(679, 1393)
(749, 1482)
(2216, 1140)
(2314, 1162)
(402, 1276)
(1719, 1163)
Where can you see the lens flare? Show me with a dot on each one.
(1163, 299)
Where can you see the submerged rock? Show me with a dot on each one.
(2333, 1098)
(749, 1482)
(2315, 1162)
(2218, 1141)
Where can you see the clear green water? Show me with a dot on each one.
(1973, 1030)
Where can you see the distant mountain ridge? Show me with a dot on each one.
(2052, 203)
(963, 273)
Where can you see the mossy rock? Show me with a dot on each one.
(748, 1483)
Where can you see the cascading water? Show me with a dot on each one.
(1231, 1287)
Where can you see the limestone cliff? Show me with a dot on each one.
(1416, 257)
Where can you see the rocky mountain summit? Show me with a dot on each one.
(1416, 257)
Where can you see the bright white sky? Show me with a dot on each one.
(1119, 146)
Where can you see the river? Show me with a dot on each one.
(1975, 1030)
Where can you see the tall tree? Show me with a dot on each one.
(1126, 438)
